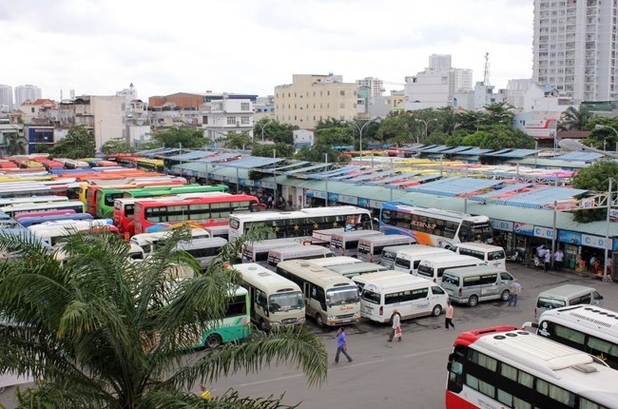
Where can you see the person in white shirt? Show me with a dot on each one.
(558, 259)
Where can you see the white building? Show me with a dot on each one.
(6, 98)
(575, 47)
(227, 115)
(303, 137)
(374, 85)
(24, 92)
(129, 94)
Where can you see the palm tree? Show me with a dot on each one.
(100, 331)
(574, 119)
(14, 144)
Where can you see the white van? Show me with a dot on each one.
(346, 243)
(360, 281)
(470, 285)
(257, 251)
(298, 252)
(203, 250)
(411, 296)
(489, 253)
(276, 301)
(389, 254)
(147, 240)
(433, 268)
(567, 294)
(335, 261)
(356, 269)
(323, 237)
(370, 248)
(407, 260)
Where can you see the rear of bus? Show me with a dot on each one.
(297, 252)
(370, 248)
(492, 255)
(204, 250)
(433, 268)
(257, 251)
(346, 243)
(389, 254)
(408, 260)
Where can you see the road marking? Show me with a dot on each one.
(427, 352)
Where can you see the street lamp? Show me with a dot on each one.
(426, 123)
(599, 126)
(100, 136)
(360, 133)
(262, 126)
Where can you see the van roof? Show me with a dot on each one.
(356, 233)
(386, 238)
(483, 246)
(473, 270)
(336, 261)
(359, 268)
(379, 275)
(391, 280)
(425, 250)
(566, 290)
(449, 259)
(400, 247)
(203, 242)
(311, 248)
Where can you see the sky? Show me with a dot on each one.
(99, 47)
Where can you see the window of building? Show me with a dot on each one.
(244, 106)
(244, 120)
(342, 93)
(231, 120)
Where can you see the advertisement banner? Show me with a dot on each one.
(595, 241)
(523, 228)
(570, 237)
(545, 232)
(501, 225)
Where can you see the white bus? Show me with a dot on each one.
(335, 261)
(346, 243)
(323, 237)
(389, 254)
(356, 269)
(434, 227)
(277, 301)
(5, 201)
(492, 255)
(51, 232)
(407, 260)
(147, 240)
(330, 298)
(257, 251)
(297, 252)
(203, 250)
(588, 328)
(18, 208)
(410, 296)
(432, 268)
(300, 223)
(505, 367)
(370, 248)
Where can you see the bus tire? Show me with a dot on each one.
(473, 300)
(263, 326)
(213, 341)
(506, 294)
(319, 320)
(437, 310)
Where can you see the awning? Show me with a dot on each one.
(191, 155)
(454, 186)
(579, 156)
(218, 158)
(251, 162)
(307, 169)
(541, 197)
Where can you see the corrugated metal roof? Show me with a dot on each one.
(454, 186)
(390, 179)
(457, 149)
(294, 164)
(306, 169)
(352, 174)
(217, 158)
(334, 172)
(419, 179)
(540, 197)
(378, 174)
(475, 152)
(517, 153)
(159, 152)
(435, 149)
(508, 188)
(579, 156)
(498, 152)
(249, 162)
(192, 155)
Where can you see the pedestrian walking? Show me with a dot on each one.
(395, 327)
(547, 260)
(448, 316)
(514, 292)
(342, 345)
(558, 260)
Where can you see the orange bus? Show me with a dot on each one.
(206, 211)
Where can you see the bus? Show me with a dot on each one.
(20, 208)
(70, 189)
(434, 227)
(52, 232)
(30, 221)
(32, 199)
(301, 223)
(173, 190)
(151, 165)
(277, 301)
(588, 328)
(505, 367)
(330, 298)
(206, 211)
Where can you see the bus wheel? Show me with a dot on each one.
(437, 310)
(213, 341)
(506, 294)
(473, 300)
(263, 326)
(319, 320)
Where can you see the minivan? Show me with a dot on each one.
(346, 243)
(407, 260)
(433, 268)
(370, 248)
(298, 252)
(491, 254)
(389, 254)
(469, 285)
(567, 294)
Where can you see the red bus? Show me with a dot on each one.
(505, 367)
(206, 211)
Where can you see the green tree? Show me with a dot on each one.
(279, 150)
(15, 144)
(237, 140)
(116, 145)
(78, 143)
(274, 131)
(574, 119)
(183, 136)
(596, 179)
(101, 331)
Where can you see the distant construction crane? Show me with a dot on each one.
(486, 71)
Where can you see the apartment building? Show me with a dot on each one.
(220, 117)
(25, 92)
(311, 98)
(575, 47)
(6, 98)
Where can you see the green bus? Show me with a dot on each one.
(235, 326)
(105, 196)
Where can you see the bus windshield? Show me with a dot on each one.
(286, 301)
(342, 295)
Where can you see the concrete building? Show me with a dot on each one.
(311, 98)
(6, 98)
(129, 94)
(375, 86)
(575, 47)
(24, 92)
(227, 115)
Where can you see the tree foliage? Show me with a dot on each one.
(183, 136)
(270, 129)
(101, 331)
(279, 150)
(78, 143)
(15, 144)
(116, 145)
(574, 119)
(595, 178)
(237, 140)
